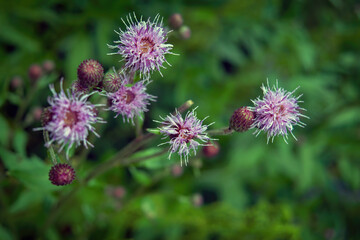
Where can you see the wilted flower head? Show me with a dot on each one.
(143, 45)
(184, 133)
(130, 100)
(277, 112)
(69, 119)
(61, 174)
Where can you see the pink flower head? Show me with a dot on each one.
(277, 112)
(70, 119)
(184, 133)
(143, 45)
(130, 100)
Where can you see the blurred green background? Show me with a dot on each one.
(307, 189)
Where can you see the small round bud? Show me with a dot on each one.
(61, 174)
(242, 119)
(48, 66)
(77, 87)
(46, 116)
(185, 32)
(90, 73)
(175, 21)
(119, 192)
(211, 149)
(112, 81)
(37, 113)
(176, 170)
(197, 200)
(35, 72)
(16, 82)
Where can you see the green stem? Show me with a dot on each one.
(221, 131)
(121, 158)
(25, 102)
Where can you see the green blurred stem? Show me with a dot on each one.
(122, 158)
(221, 131)
(138, 127)
(25, 102)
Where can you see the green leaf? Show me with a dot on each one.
(33, 173)
(46, 80)
(20, 140)
(5, 234)
(26, 200)
(155, 131)
(14, 98)
(140, 176)
(4, 130)
(9, 158)
(156, 162)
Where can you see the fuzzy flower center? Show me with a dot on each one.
(71, 118)
(183, 133)
(128, 97)
(146, 45)
(279, 112)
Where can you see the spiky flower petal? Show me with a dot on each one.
(277, 112)
(69, 119)
(130, 100)
(142, 45)
(61, 174)
(185, 134)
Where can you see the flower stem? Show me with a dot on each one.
(221, 131)
(122, 158)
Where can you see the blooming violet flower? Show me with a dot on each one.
(142, 45)
(130, 100)
(277, 112)
(184, 133)
(70, 118)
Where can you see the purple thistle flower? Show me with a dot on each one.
(143, 45)
(130, 100)
(277, 112)
(183, 133)
(71, 119)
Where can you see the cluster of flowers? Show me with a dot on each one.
(143, 46)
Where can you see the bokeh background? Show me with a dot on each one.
(306, 189)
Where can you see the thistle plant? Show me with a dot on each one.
(74, 113)
(143, 46)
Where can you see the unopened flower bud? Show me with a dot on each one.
(61, 174)
(185, 32)
(112, 81)
(46, 116)
(16, 82)
(197, 200)
(37, 113)
(119, 192)
(77, 87)
(175, 21)
(35, 72)
(211, 149)
(176, 170)
(48, 66)
(242, 119)
(90, 73)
